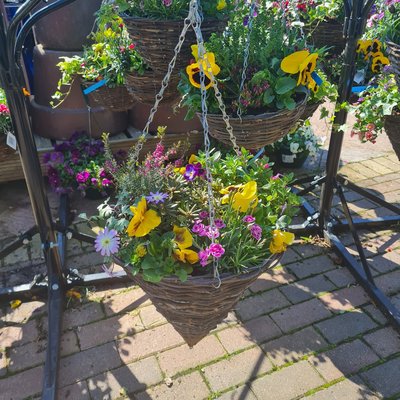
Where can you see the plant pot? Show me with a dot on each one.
(256, 131)
(285, 158)
(67, 28)
(327, 33)
(196, 306)
(392, 128)
(94, 194)
(393, 52)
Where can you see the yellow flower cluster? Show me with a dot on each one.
(245, 196)
(373, 49)
(184, 240)
(280, 241)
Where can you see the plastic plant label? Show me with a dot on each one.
(11, 140)
(289, 159)
(359, 76)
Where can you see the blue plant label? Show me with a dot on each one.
(94, 87)
(318, 80)
(359, 89)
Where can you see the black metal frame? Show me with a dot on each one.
(54, 235)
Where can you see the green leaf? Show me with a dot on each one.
(290, 104)
(181, 274)
(151, 275)
(285, 84)
(268, 96)
(147, 263)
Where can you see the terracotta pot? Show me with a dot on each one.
(67, 28)
(165, 116)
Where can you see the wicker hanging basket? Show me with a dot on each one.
(112, 98)
(327, 33)
(196, 307)
(144, 88)
(392, 128)
(156, 39)
(309, 110)
(256, 131)
(393, 51)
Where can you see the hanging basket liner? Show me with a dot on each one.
(112, 98)
(144, 88)
(392, 128)
(393, 52)
(256, 131)
(327, 33)
(196, 307)
(310, 109)
(156, 39)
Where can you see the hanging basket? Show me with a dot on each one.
(112, 98)
(393, 51)
(196, 307)
(156, 39)
(256, 131)
(310, 109)
(144, 88)
(392, 128)
(327, 33)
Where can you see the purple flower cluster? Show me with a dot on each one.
(255, 230)
(214, 250)
(200, 229)
(193, 170)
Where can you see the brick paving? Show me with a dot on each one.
(303, 330)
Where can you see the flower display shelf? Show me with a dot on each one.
(197, 306)
(256, 131)
(11, 168)
(393, 51)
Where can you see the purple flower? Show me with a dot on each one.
(75, 156)
(203, 256)
(219, 224)
(94, 181)
(107, 242)
(56, 158)
(102, 173)
(46, 158)
(199, 228)
(211, 233)
(203, 214)
(167, 3)
(193, 170)
(69, 170)
(277, 176)
(82, 177)
(248, 219)
(216, 250)
(256, 231)
(106, 182)
(157, 197)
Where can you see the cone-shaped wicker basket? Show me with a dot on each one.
(196, 307)
(256, 131)
(309, 110)
(392, 128)
(112, 98)
(393, 51)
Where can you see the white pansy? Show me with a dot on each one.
(294, 147)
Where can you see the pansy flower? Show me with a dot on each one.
(143, 220)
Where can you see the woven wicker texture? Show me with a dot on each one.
(392, 128)
(256, 131)
(196, 307)
(309, 110)
(156, 40)
(393, 51)
(327, 33)
(113, 98)
(144, 88)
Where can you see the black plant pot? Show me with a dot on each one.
(94, 194)
(285, 158)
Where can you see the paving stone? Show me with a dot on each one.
(377, 167)
(130, 378)
(109, 329)
(231, 319)
(183, 357)
(345, 299)
(3, 363)
(345, 326)
(292, 347)
(241, 393)
(309, 250)
(225, 373)
(300, 315)
(340, 277)
(307, 288)
(271, 279)
(263, 303)
(396, 301)
(18, 335)
(82, 315)
(287, 383)
(345, 359)
(151, 317)
(352, 389)
(386, 162)
(384, 342)
(290, 256)
(384, 378)
(22, 385)
(88, 363)
(384, 263)
(188, 387)
(125, 301)
(24, 312)
(375, 314)
(235, 338)
(312, 266)
(148, 342)
(27, 356)
(75, 391)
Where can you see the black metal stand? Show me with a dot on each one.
(321, 221)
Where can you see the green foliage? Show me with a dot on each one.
(5, 119)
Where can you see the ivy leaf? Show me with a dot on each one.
(285, 84)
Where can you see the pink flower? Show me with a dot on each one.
(203, 256)
(216, 250)
(248, 219)
(266, 166)
(212, 233)
(219, 224)
(4, 109)
(82, 177)
(256, 231)
(199, 229)
(275, 177)
(203, 214)
(370, 126)
(132, 46)
(167, 3)
(106, 182)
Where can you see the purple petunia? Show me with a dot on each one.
(82, 177)
(107, 242)
(106, 182)
(157, 197)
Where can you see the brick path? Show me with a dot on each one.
(303, 330)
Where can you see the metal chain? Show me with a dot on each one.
(297, 18)
(246, 55)
(142, 139)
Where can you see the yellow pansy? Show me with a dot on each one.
(193, 159)
(280, 241)
(291, 63)
(227, 191)
(245, 197)
(141, 251)
(180, 170)
(143, 220)
(210, 68)
(15, 304)
(186, 255)
(73, 294)
(183, 237)
(362, 46)
(378, 62)
(221, 5)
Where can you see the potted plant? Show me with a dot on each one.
(5, 118)
(378, 109)
(293, 150)
(79, 164)
(192, 246)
